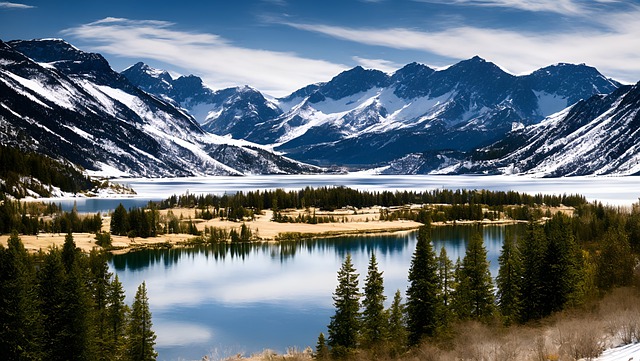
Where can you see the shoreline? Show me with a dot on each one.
(363, 222)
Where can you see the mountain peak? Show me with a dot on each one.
(354, 81)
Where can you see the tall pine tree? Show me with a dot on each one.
(344, 326)
(140, 337)
(474, 293)
(374, 320)
(422, 293)
(18, 305)
(397, 325)
(508, 281)
(446, 286)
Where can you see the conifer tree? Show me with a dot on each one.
(446, 286)
(508, 281)
(397, 334)
(422, 293)
(322, 351)
(614, 265)
(374, 320)
(140, 337)
(120, 221)
(344, 326)
(532, 247)
(117, 312)
(475, 290)
(77, 312)
(99, 283)
(18, 312)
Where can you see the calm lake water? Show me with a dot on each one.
(229, 299)
(608, 190)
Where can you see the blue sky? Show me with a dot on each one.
(278, 46)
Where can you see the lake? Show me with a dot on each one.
(608, 190)
(228, 299)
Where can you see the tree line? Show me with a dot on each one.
(544, 270)
(331, 198)
(66, 305)
(31, 218)
(27, 170)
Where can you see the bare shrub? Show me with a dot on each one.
(621, 310)
(580, 338)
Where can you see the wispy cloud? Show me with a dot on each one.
(217, 60)
(379, 64)
(565, 7)
(8, 5)
(613, 46)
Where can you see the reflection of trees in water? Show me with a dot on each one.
(454, 238)
(282, 251)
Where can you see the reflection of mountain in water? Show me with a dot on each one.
(282, 251)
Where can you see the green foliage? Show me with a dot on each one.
(140, 337)
(397, 328)
(26, 170)
(508, 281)
(18, 307)
(69, 309)
(615, 262)
(474, 291)
(322, 351)
(374, 319)
(345, 324)
(446, 287)
(422, 293)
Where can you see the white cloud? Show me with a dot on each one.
(379, 64)
(566, 7)
(210, 56)
(613, 47)
(8, 5)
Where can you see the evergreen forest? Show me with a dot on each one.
(64, 305)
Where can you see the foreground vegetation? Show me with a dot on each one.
(566, 263)
(66, 305)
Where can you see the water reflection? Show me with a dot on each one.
(284, 251)
(247, 297)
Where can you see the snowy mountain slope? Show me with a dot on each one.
(232, 111)
(366, 117)
(68, 104)
(596, 136)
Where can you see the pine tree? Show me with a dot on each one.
(120, 221)
(422, 293)
(508, 281)
(532, 248)
(475, 290)
(18, 311)
(117, 312)
(614, 265)
(140, 337)
(322, 351)
(446, 286)
(99, 285)
(344, 326)
(562, 274)
(374, 320)
(397, 325)
(77, 331)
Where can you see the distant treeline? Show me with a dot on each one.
(26, 170)
(331, 198)
(34, 218)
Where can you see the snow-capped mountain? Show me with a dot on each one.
(367, 117)
(597, 136)
(231, 111)
(69, 104)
